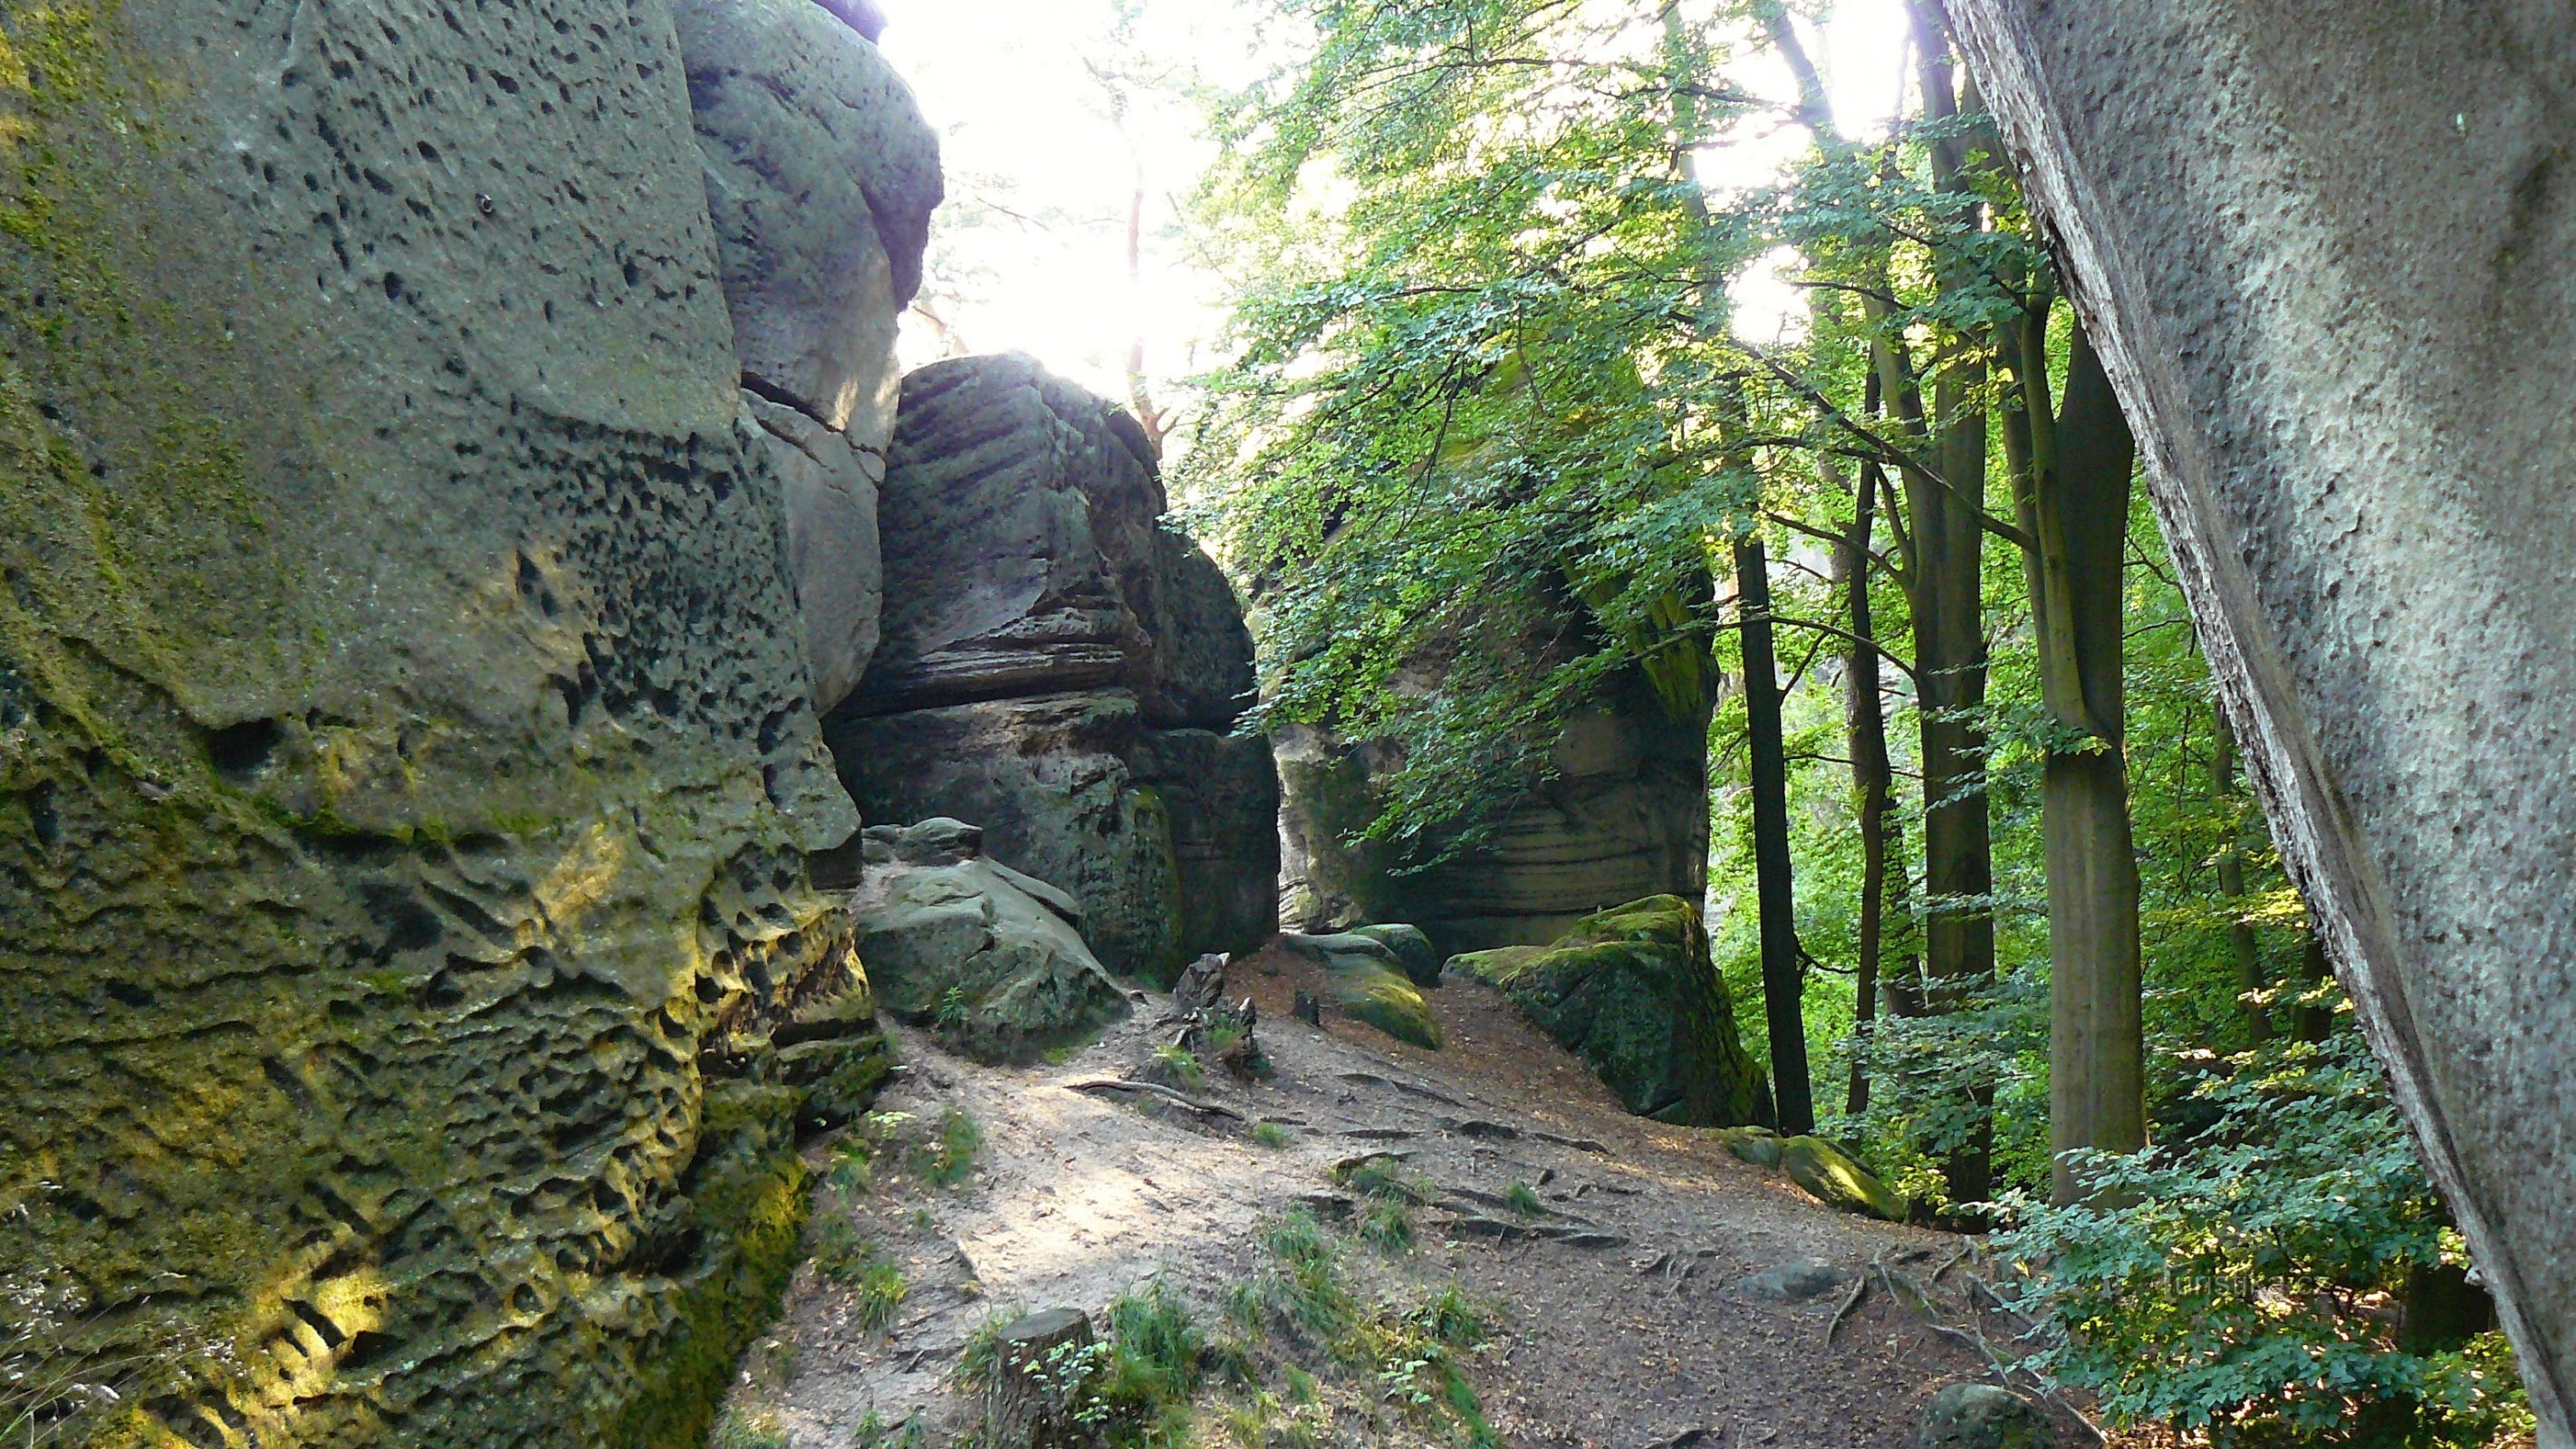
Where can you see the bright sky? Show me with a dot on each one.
(1030, 254)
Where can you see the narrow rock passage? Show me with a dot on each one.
(1627, 1307)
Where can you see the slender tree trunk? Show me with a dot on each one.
(2078, 465)
(1873, 783)
(1783, 977)
(2251, 979)
(1950, 648)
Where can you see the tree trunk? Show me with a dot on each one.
(1872, 781)
(1950, 652)
(2251, 979)
(2097, 1044)
(2314, 1023)
(1783, 978)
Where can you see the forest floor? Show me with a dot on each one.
(1618, 1296)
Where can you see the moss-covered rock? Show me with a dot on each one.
(1827, 1172)
(1631, 991)
(1759, 1146)
(1367, 982)
(1370, 992)
(1412, 949)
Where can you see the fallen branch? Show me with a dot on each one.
(1148, 1089)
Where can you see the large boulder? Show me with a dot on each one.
(1632, 992)
(1366, 981)
(1832, 1178)
(413, 986)
(990, 959)
(820, 177)
(2327, 251)
(1060, 669)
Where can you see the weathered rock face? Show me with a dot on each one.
(1626, 817)
(821, 176)
(2331, 279)
(1060, 670)
(1632, 992)
(405, 760)
(990, 959)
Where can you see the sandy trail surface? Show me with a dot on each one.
(1624, 1318)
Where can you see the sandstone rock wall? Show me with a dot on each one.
(821, 176)
(1625, 817)
(411, 983)
(1062, 671)
(2329, 250)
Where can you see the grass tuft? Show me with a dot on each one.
(1524, 1201)
(1271, 1134)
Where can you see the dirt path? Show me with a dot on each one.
(1625, 1325)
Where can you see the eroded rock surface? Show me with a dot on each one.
(1061, 670)
(1623, 817)
(1632, 992)
(988, 958)
(821, 176)
(413, 985)
(2327, 251)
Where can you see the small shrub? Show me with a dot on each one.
(874, 1433)
(1387, 1225)
(948, 1158)
(880, 1293)
(740, 1429)
(1271, 1134)
(1179, 1067)
(1450, 1318)
(1305, 1287)
(854, 1164)
(1523, 1200)
(952, 1010)
(839, 1251)
(1384, 1178)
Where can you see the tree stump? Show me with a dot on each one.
(1043, 1365)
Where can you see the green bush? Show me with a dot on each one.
(2246, 1284)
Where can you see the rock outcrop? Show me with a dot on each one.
(1632, 992)
(413, 984)
(821, 176)
(991, 960)
(1624, 817)
(1829, 1174)
(2327, 251)
(1061, 670)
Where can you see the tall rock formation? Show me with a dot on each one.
(821, 176)
(2329, 252)
(411, 984)
(1061, 670)
(1623, 815)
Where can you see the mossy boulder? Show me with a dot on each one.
(1367, 981)
(1412, 949)
(1632, 992)
(1827, 1172)
(1759, 1146)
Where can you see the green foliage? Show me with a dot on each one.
(1303, 1287)
(1386, 1225)
(1523, 1200)
(845, 1258)
(1180, 1067)
(747, 1429)
(949, 1156)
(1271, 1134)
(2245, 1283)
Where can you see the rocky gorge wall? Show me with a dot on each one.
(1063, 671)
(412, 982)
(1622, 816)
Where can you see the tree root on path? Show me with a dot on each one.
(1149, 1089)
